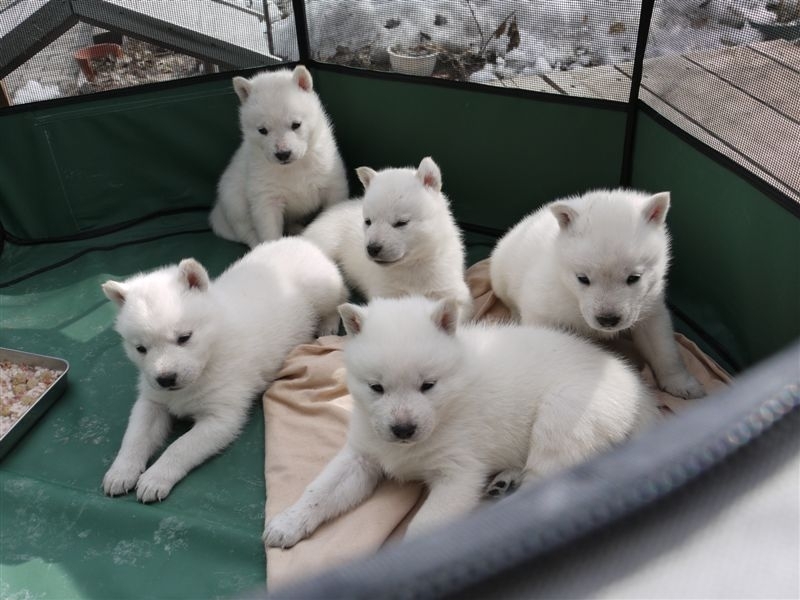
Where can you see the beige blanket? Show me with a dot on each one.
(306, 413)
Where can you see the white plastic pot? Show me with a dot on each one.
(412, 65)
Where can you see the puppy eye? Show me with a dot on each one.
(583, 279)
(141, 349)
(296, 125)
(427, 386)
(376, 387)
(263, 130)
(400, 223)
(182, 339)
(633, 279)
(367, 222)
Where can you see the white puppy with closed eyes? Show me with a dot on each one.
(205, 348)
(400, 240)
(452, 406)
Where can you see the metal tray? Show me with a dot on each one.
(38, 408)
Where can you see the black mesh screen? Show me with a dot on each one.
(560, 47)
(728, 73)
(52, 49)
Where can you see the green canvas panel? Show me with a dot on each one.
(501, 156)
(735, 252)
(82, 166)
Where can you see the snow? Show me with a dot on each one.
(554, 34)
(33, 91)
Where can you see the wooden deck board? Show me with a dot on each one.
(747, 127)
(712, 141)
(532, 83)
(785, 52)
(756, 74)
(592, 82)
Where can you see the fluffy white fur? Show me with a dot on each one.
(596, 264)
(452, 406)
(204, 350)
(287, 168)
(400, 240)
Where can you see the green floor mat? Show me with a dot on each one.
(60, 537)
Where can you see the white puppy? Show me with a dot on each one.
(451, 407)
(596, 264)
(288, 167)
(205, 349)
(400, 240)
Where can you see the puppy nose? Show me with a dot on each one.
(404, 431)
(283, 156)
(167, 380)
(374, 249)
(607, 320)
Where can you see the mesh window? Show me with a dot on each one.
(51, 49)
(728, 73)
(567, 47)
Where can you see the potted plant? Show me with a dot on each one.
(86, 55)
(419, 59)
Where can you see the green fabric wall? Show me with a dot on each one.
(501, 156)
(735, 252)
(80, 166)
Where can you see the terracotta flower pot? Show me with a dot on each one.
(84, 56)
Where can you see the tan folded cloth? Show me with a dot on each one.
(306, 413)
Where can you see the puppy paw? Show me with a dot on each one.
(503, 483)
(155, 484)
(121, 478)
(286, 529)
(682, 385)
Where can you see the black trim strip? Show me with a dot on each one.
(780, 198)
(629, 145)
(85, 251)
(301, 29)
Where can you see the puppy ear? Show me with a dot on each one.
(429, 174)
(352, 318)
(242, 87)
(193, 274)
(655, 211)
(365, 175)
(445, 315)
(114, 291)
(564, 214)
(302, 78)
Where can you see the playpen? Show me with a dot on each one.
(106, 178)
